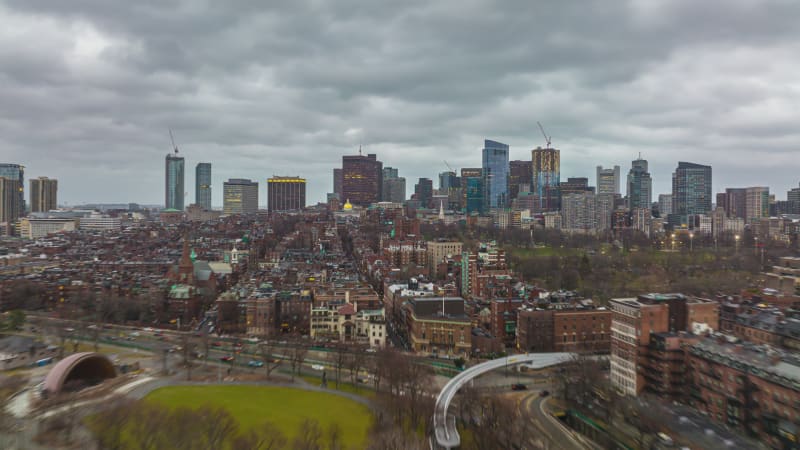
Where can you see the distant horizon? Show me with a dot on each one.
(94, 97)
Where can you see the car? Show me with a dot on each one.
(226, 358)
(158, 334)
(371, 350)
(216, 344)
(518, 387)
(254, 363)
(544, 393)
(318, 367)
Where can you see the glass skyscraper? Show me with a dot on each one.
(472, 182)
(691, 191)
(495, 173)
(640, 186)
(202, 185)
(174, 187)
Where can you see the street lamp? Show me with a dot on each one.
(673, 242)
(737, 237)
(691, 242)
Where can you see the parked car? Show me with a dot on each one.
(518, 387)
(544, 393)
(254, 363)
(226, 358)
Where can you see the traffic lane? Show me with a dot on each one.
(559, 438)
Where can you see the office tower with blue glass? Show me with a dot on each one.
(495, 173)
(174, 187)
(202, 185)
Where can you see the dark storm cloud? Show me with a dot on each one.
(89, 88)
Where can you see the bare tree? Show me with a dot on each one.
(297, 355)
(216, 426)
(334, 436)
(148, 424)
(188, 352)
(266, 437)
(356, 361)
(338, 359)
(267, 351)
(309, 437)
(109, 427)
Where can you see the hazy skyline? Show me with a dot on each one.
(89, 89)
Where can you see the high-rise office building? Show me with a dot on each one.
(495, 172)
(337, 182)
(44, 194)
(173, 180)
(393, 186)
(608, 180)
(604, 210)
(576, 185)
(423, 192)
(448, 180)
(390, 172)
(640, 186)
(394, 190)
(546, 178)
(286, 194)
(756, 203)
(362, 179)
(202, 185)
(664, 205)
(519, 177)
(578, 212)
(472, 182)
(734, 200)
(15, 206)
(239, 196)
(691, 191)
(793, 200)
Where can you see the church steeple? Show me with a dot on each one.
(185, 266)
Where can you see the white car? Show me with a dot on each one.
(318, 367)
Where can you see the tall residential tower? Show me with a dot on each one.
(44, 194)
(173, 181)
(202, 185)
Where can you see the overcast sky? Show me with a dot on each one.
(89, 88)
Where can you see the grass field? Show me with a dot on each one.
(285, 407)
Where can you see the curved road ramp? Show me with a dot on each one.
(444, 425)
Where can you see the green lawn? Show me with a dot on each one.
(285, 407)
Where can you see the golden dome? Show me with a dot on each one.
(347, 205)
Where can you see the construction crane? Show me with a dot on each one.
(173, 141)
(448, 166)
(546, 137)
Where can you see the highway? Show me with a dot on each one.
(559, 436)
(444, 424)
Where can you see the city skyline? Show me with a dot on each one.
(703, 96)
